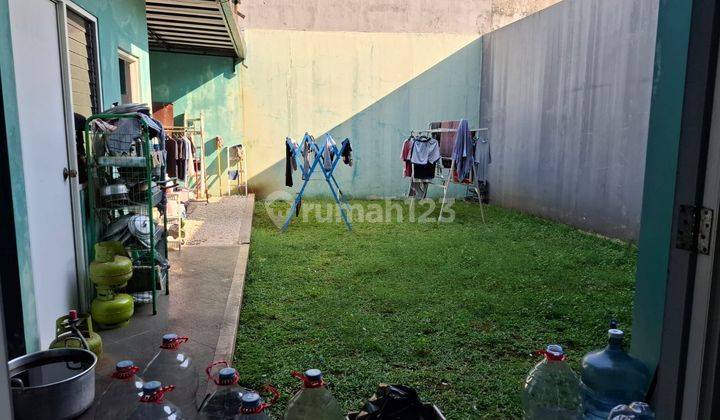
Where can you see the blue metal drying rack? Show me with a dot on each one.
(318, 162)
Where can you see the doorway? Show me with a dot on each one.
(55, 66)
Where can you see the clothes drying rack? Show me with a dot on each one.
(447, 178)
(328, 173)
(196, 127)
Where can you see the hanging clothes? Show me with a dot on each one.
(347, 152)
(180, 158)
(447, 141)
(482, 159)
(424, 155)
(306, 150)
(290, 163)
(426, 171)
(463, 153)
(171, 147)
(189, 158)
(328, 154)
(425, 150)
(405, 156)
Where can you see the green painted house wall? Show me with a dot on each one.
(660, 172)
(14, 149)
(208, 84)
(121, 25)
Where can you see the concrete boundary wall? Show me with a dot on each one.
(566, 95)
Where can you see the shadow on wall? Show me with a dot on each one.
(449, 90)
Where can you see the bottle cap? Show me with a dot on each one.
(169, 338)
(615, 333)
(250, 400)
(227, 374)
(124, 364)
(150, 387)
(640, 407)
(313, 374)
(554, 352)
(555, 349)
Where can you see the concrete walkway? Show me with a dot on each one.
(206, 285)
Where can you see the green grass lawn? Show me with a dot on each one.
(455, 310)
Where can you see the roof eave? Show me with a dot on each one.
(233, 26)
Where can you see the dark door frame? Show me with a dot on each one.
(9, 268)
(695, 123)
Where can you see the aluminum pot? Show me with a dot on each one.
(52, 384)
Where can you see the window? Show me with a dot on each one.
(83, 70)
(129, 81)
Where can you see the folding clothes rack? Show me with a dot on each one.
(318, 161)
(447, 180)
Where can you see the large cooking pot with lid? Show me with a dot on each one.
(52, 384)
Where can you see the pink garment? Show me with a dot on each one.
(405, 157)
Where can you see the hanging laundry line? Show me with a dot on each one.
(327, 157)
(424, 167)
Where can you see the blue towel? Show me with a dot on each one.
(463, 154)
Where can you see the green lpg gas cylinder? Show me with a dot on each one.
(111, 268)
(110, 310)
(65, 337)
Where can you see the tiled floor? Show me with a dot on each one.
(206, 281)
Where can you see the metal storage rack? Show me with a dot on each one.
(130, 214)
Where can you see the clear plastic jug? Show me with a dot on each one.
(314, 401)
(224, 402)
(153, 405)
(124, 391)
(611, 377)
(552, 390)
(174, 367)
(634, 411)
(253, 408)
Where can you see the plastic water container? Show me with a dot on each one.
(253, 408)
(313, 401)
(124, 391)
(552, 390)
(225, 400)
(634, 411)
(611, 377)
(153, 405)
(172, 366)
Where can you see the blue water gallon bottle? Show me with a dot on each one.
(610, 377)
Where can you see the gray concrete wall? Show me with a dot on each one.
(422, 16)
(566, 95)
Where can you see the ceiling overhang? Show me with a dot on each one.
(210, 27)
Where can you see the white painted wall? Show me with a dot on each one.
(38, 81)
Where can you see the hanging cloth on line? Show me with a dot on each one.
(405, 156)
(463, 152)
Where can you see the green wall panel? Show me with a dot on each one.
(660, 172)
(121, 25)
(14, 149)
